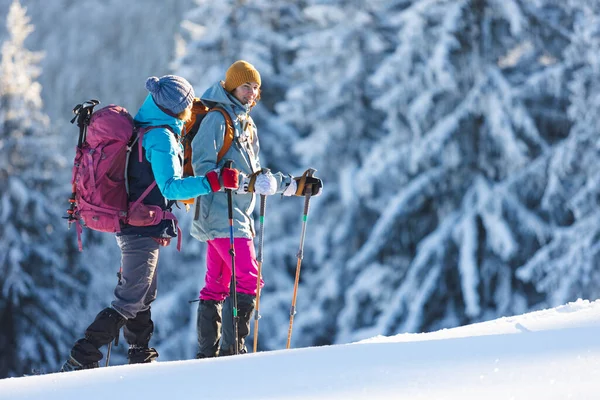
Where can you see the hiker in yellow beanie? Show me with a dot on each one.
(237, 95)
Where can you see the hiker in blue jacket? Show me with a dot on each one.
(237, 94)
(166, 108)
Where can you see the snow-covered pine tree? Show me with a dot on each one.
(40, 290)
(100, 49)
(474, 97)
(567, 266)
(442, 205)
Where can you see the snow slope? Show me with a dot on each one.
(549, 354)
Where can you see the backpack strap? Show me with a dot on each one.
(141, 131)
(143, 195)
(170, 215)
(229, 133)
(197, 108)
(79, 230)
(138, 136)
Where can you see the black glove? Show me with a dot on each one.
(312, 182)
(299, 186)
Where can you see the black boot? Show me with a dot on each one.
(141, 355)
(85, 353)
(246, 304)
(209, 328)
(73, 365)
(137, 332)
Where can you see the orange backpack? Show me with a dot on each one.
(199, 111)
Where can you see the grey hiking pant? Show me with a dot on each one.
(138, 284)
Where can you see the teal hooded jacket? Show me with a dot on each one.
(165, 154)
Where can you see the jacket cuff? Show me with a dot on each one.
(213, 180)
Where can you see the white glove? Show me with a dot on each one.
(290, 190)
(265, 184)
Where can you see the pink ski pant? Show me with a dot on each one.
(218, 268)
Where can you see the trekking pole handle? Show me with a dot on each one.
(308, 173)
(83, 106)
(302, 180)
(229, 164)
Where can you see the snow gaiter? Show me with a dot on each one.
(209, 327)
(246, 303)
(102, 331)
(137, 332)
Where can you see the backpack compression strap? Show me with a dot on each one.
(229, 133)
(165, 214)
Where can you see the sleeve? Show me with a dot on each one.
(207, 142)
(283, 181)
(162, 151)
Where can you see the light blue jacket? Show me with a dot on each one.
(211, 218)
(165, 154)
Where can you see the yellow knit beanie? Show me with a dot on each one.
(239, 73)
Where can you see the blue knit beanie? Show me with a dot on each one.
(171, 92)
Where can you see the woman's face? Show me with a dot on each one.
(247, 93)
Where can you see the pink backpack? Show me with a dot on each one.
(99, 198)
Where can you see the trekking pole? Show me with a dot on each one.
(110, 346)
(259, 258)
(233, 292)
(116, 340)
(108, 354)
(83, 113)
(307, 195)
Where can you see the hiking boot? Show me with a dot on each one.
(73, 365)
(231, 352)
(141, 355)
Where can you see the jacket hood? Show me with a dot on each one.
(217, 95)
(150, 115)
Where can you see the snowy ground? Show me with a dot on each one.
(550, 354)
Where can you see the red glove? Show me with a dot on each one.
(230, 178)
(227, 178)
